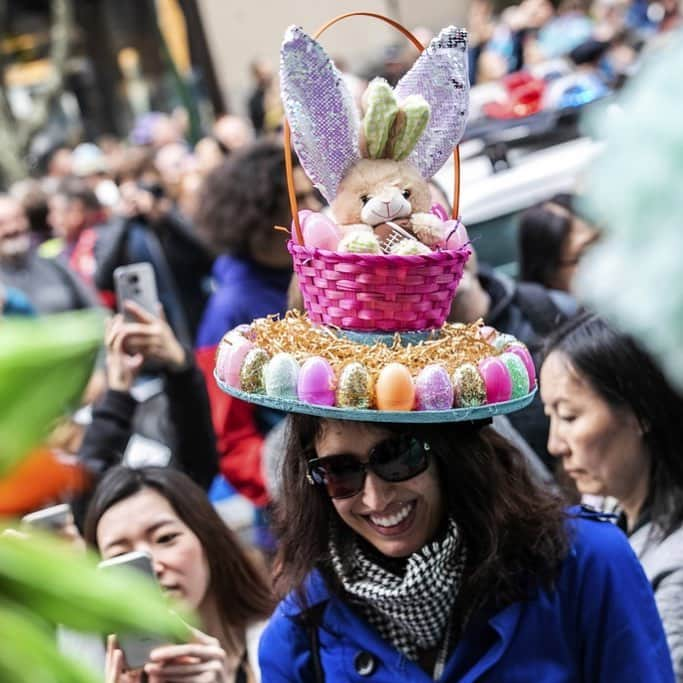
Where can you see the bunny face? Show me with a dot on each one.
(380, 190)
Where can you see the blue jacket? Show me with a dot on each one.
(600, 624)
(244, 291)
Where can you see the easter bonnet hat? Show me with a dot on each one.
(373, 345)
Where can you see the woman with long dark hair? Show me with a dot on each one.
(197, 560)
(617, 426)
(426, 551)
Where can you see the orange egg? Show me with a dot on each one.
(395, 389)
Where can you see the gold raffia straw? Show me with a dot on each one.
(295, 334)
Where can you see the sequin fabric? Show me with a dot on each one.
(320, 110)
(440, 76)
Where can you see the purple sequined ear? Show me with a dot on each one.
(320, 110)
(440, 76)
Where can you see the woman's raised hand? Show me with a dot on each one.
(122, 367)
(113, 666)
(202, 661)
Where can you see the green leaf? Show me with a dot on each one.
(63, 587)
(45, 364)
(28, 653)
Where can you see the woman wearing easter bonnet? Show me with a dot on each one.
(414, 543)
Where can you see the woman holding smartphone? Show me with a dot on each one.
(197, 561)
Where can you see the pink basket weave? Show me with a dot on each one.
(382, 292)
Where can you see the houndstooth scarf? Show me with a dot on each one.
(409, 608)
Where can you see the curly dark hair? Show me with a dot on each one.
(241, 200)
(515, 532)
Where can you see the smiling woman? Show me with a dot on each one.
(197, 561)
(417, 552)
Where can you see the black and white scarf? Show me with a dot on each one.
(409, 608)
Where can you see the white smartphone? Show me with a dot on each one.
(53, 518)
(136, 282)
(136, 647)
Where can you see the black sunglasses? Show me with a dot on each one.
(396, 459)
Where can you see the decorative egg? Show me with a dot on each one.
(316, 382)
(354, 389)
(469, 389)
(433, 389)
(303, 213)
(221, 356)
(502, 341)
(523, 353)
(455, 234)
(518, 374)
(496, 378)
(319, 231)
(237, 348)
(360, 242)
(395, 389)
(410, 247)
(251, 374)
(281, 376)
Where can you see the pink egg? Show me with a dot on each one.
(302, 215)
(319, 231)
(455, 235)
(433, 389)
(523, 353)
(497, 380)
(316, 382)
(239, 347)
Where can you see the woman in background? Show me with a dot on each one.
(197, 560)
(617, 425)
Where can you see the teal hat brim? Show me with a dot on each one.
(406, 416)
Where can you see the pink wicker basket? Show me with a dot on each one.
(381, 292)
(375, 292)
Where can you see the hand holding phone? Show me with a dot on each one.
(135, 647)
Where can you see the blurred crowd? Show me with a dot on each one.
(202, 215)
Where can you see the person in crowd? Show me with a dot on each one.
(262, 74)
(150, 229)
(197, 560)
(49, 286)
(232, 133)
(241, 201)
(416, 552)
(34, 198)
(74, 212)
(552, 238)
(178, 430)
(529, 311)
(616, 424)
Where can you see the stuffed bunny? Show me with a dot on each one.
(374, 171)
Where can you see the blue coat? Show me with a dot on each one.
(600, 624)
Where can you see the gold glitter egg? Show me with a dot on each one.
(468, 387)
(251, 374)
(354, 389)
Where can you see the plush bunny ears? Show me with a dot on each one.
(325, 121)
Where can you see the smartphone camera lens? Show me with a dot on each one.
(133, 279)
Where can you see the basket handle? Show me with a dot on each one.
(289, 168)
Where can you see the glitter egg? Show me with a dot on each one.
(354, 389)
(468, 387)
(496, 378)
(395, 389)
(251, 373)
(410, 247)
(433, 389)
(360, 242)
(237, 348)
(518, 374)
(281, 376)
(502, 341)
(316, 382)
(523, 353)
